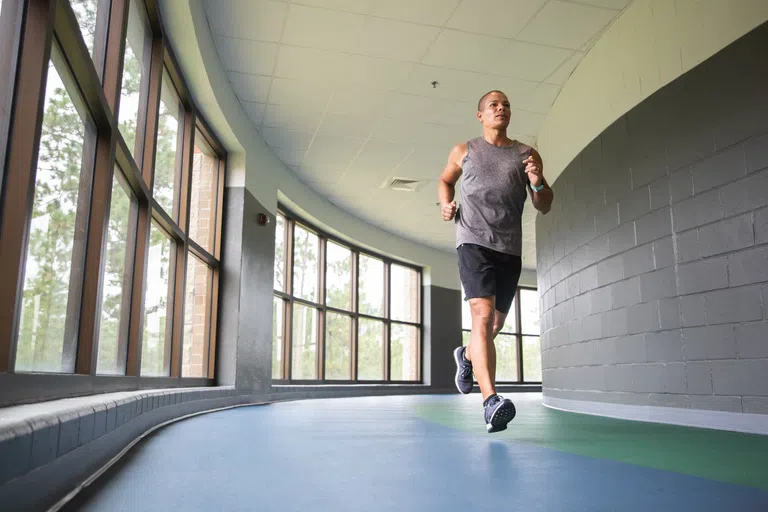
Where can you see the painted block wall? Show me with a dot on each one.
(653, 263)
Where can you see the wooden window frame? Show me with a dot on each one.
(99, 80)
(288, 299)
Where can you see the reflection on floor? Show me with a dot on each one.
(431, 453)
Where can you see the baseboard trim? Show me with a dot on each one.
(732, 421)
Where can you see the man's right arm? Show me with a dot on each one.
(446, 185)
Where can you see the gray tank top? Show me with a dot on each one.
(493, 193)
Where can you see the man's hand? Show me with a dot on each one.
(533, 168)
(449, 211)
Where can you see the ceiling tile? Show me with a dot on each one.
(428, 12)
(525, 123)
(566, 25)
(289, 156)
(346, 125)
(609, 4)
(502, 18)
(499, 57)
(542, 98)
(362, 101)
(289, 117)
(322, 28)
(255, 111)
(462, 85)
(376, 161)
(250, 87)
(246, 56)
(248, 19)
(333, 151)
(425, 162)
(288, 139)
(323, 66)
(299, 94)
(431, 110)
(563, 73)
(411, 43)
(358, 6)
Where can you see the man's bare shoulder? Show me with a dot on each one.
(458, 153)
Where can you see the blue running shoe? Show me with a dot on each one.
(464, 378)
(498, 412)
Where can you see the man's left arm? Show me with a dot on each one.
(541, 199)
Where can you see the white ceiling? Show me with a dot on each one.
(341, 89)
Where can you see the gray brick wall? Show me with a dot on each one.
(653, 263)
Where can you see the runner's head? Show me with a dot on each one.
(493, 110)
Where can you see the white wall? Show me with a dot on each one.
(255, 166)
(652, 43)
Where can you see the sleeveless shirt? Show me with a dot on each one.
(493, 193)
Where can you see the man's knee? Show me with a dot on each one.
(482, 312)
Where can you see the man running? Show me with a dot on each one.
(497, 172)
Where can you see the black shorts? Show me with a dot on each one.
(487, 273)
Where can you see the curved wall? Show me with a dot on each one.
(653, 263)
(649, 45)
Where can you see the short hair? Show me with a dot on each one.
(482, 100)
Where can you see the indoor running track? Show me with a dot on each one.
(431, 453)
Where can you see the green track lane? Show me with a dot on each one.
(713, 454)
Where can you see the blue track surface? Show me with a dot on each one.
(375, 454)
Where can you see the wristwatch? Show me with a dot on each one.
(536, 189)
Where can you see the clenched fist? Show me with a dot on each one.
(449, 211)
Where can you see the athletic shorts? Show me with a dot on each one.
(487, 273)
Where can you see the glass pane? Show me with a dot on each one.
(10, 26)
(280, 253)
(54, 259)
(338, 347)
(529, 311)
(370, 353)
(305, 263)
(404, 352)
(466, 312)
(338, 277)
(138, 45)
(197, 317)
(90, 20)
(510, 324)
(167, 158)
(278, 312)
(203, 201)
(304, 343)
(116, 286)
(371, 289)
(405, 294)
(156, 343)
(465, 337)
(532, 358)
(506, 358)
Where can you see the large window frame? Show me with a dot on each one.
(289, 300)
(518, 334)
(98, 80)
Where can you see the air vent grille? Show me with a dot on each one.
(403, 184)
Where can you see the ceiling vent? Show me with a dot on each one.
(402, 184)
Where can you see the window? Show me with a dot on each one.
(518, 352)
(111, 220)
(10, 12)
(54, 260)
(155, 348)
(136, 60)
(355, 316)
(167, 158)
(116, 282)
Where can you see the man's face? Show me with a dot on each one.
(495, 113)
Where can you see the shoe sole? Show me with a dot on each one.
(458, 372)
(504, 413)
